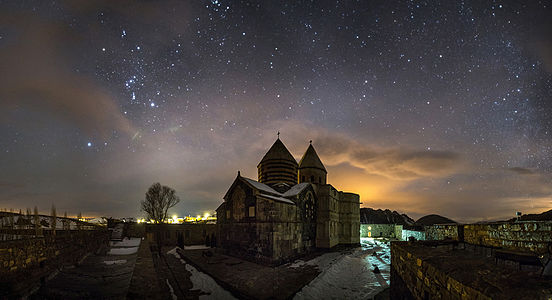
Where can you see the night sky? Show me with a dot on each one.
(422, 107)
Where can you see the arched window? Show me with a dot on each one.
(312, 179)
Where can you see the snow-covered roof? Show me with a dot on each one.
(296, 189)
(276, 198)
(99, 220)
(270, 193)
(261, 186)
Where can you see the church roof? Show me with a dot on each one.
(270, 193)
(278, 151)
(296, 189)
(279, 199)
(260, 186)
(311, 160)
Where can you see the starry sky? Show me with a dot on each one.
(421, 107)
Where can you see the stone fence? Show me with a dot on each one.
(521, 236)
(26, 262)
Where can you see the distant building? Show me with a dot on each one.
(288, 212)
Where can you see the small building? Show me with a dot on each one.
(289, 211)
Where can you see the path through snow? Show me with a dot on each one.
(204, 282)
(349, 274)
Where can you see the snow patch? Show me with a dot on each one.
(171, 290)
(196, 247)
(132, 242)
(203, 281)
(122, 251)
(115, 262)
(208, 285)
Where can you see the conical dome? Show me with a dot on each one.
(311, 168)
(278, 166)
(278, 151)
(311, 160)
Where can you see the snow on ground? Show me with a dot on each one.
(206, 284)
(132, 242)
(125, 247)
(115, 262)
(122, 251)
(196, 247)
(171, 290)
(203, 282)
(349, 274)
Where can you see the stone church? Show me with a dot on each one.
(288, 212)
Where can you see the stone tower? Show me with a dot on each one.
(311, 168)
(278, 168)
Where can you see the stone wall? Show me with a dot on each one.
(418, 235)
(349, 218)
(414, 278)
(377, 230)
(532, 236)
(25, 263)
(189, 234)
(442, 232)
(450, 270)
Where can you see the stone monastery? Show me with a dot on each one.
(288, 212)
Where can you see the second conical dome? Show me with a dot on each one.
(311, 160)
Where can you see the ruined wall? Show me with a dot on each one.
(412, 277)
(377, 230)
(26, 262)
(533, 236)
(441, 232)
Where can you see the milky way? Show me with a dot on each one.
(422, 107)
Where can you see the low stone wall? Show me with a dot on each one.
(451, 270)
(531, 236)
(25, 263)
(414, 278)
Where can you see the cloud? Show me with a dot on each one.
(397, 163)
(36, 76)
(521, 171)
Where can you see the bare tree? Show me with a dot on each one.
(159, 199)
(54, 220)
(38, 228)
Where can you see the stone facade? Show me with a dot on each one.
(288, 212)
